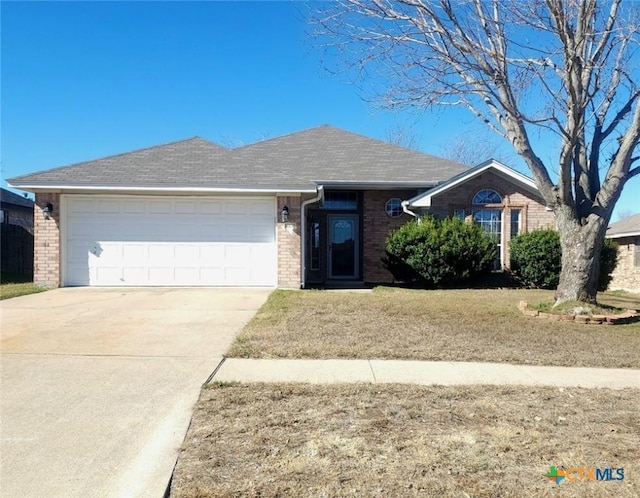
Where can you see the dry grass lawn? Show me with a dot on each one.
(397, 441)
(452, 325)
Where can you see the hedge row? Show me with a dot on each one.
(431, 252)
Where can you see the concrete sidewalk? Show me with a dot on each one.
(422, 373)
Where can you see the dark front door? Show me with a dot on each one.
(343, 246)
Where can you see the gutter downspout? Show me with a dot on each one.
(303, 234)
(405, 208)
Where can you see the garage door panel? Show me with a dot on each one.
(80, 229)
(236, 207)
(260, 208)
(187, 274)
(127, 240)
(238, 274)
(79, 273)
(212, 274)
(78, 251)
(236, 254)
(134, 207)
(160, 253)
(82, 206)
(134, 252)
(160, 275)
(185, 207)
(187, 231)
(210, 253)
(107, 252)
(187, 254)
(109, 207)
(134, 275)
(159, 207)
(211, 207)
(108, 275)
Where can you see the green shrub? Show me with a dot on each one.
(438, 253)
(608, 262)
(537, 257)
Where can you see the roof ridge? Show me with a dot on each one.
(285, 136)
(404, 147)
(349, 132)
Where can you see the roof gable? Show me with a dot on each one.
(424, 200)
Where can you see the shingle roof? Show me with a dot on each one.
(294, 161)
(180, 163)
(627, 226)
(8, 197)
(329, 154)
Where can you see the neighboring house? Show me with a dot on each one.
(309, 208)
(16, 210)
(626, 233)
(16, 234)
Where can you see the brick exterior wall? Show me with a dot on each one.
(288, 241)
(376, 225)
(533, 213)
(46, 257)
(626, 276)
(460, 197)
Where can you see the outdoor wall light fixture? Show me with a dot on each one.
(47, 210)
(284, 214)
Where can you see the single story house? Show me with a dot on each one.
(309, 208)
(626, 233)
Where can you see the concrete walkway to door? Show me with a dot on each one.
(97, 386)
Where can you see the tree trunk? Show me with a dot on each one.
(581, 245)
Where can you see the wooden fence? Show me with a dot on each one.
(16, 250)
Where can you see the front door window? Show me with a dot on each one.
(491, 221)
(343, 246)
(487, 213)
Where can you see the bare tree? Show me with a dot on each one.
(624, 214)
(472, 149)
(229, 141)
(568, 68)
(403, 135)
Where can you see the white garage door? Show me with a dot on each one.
(134, 240)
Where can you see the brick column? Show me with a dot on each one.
(46, 242)
(288, 240)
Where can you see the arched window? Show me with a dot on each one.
(486, 196)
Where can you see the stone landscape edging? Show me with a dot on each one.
(628, 316)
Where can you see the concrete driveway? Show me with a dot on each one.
(98, 385)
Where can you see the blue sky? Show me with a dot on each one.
(82, 80)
